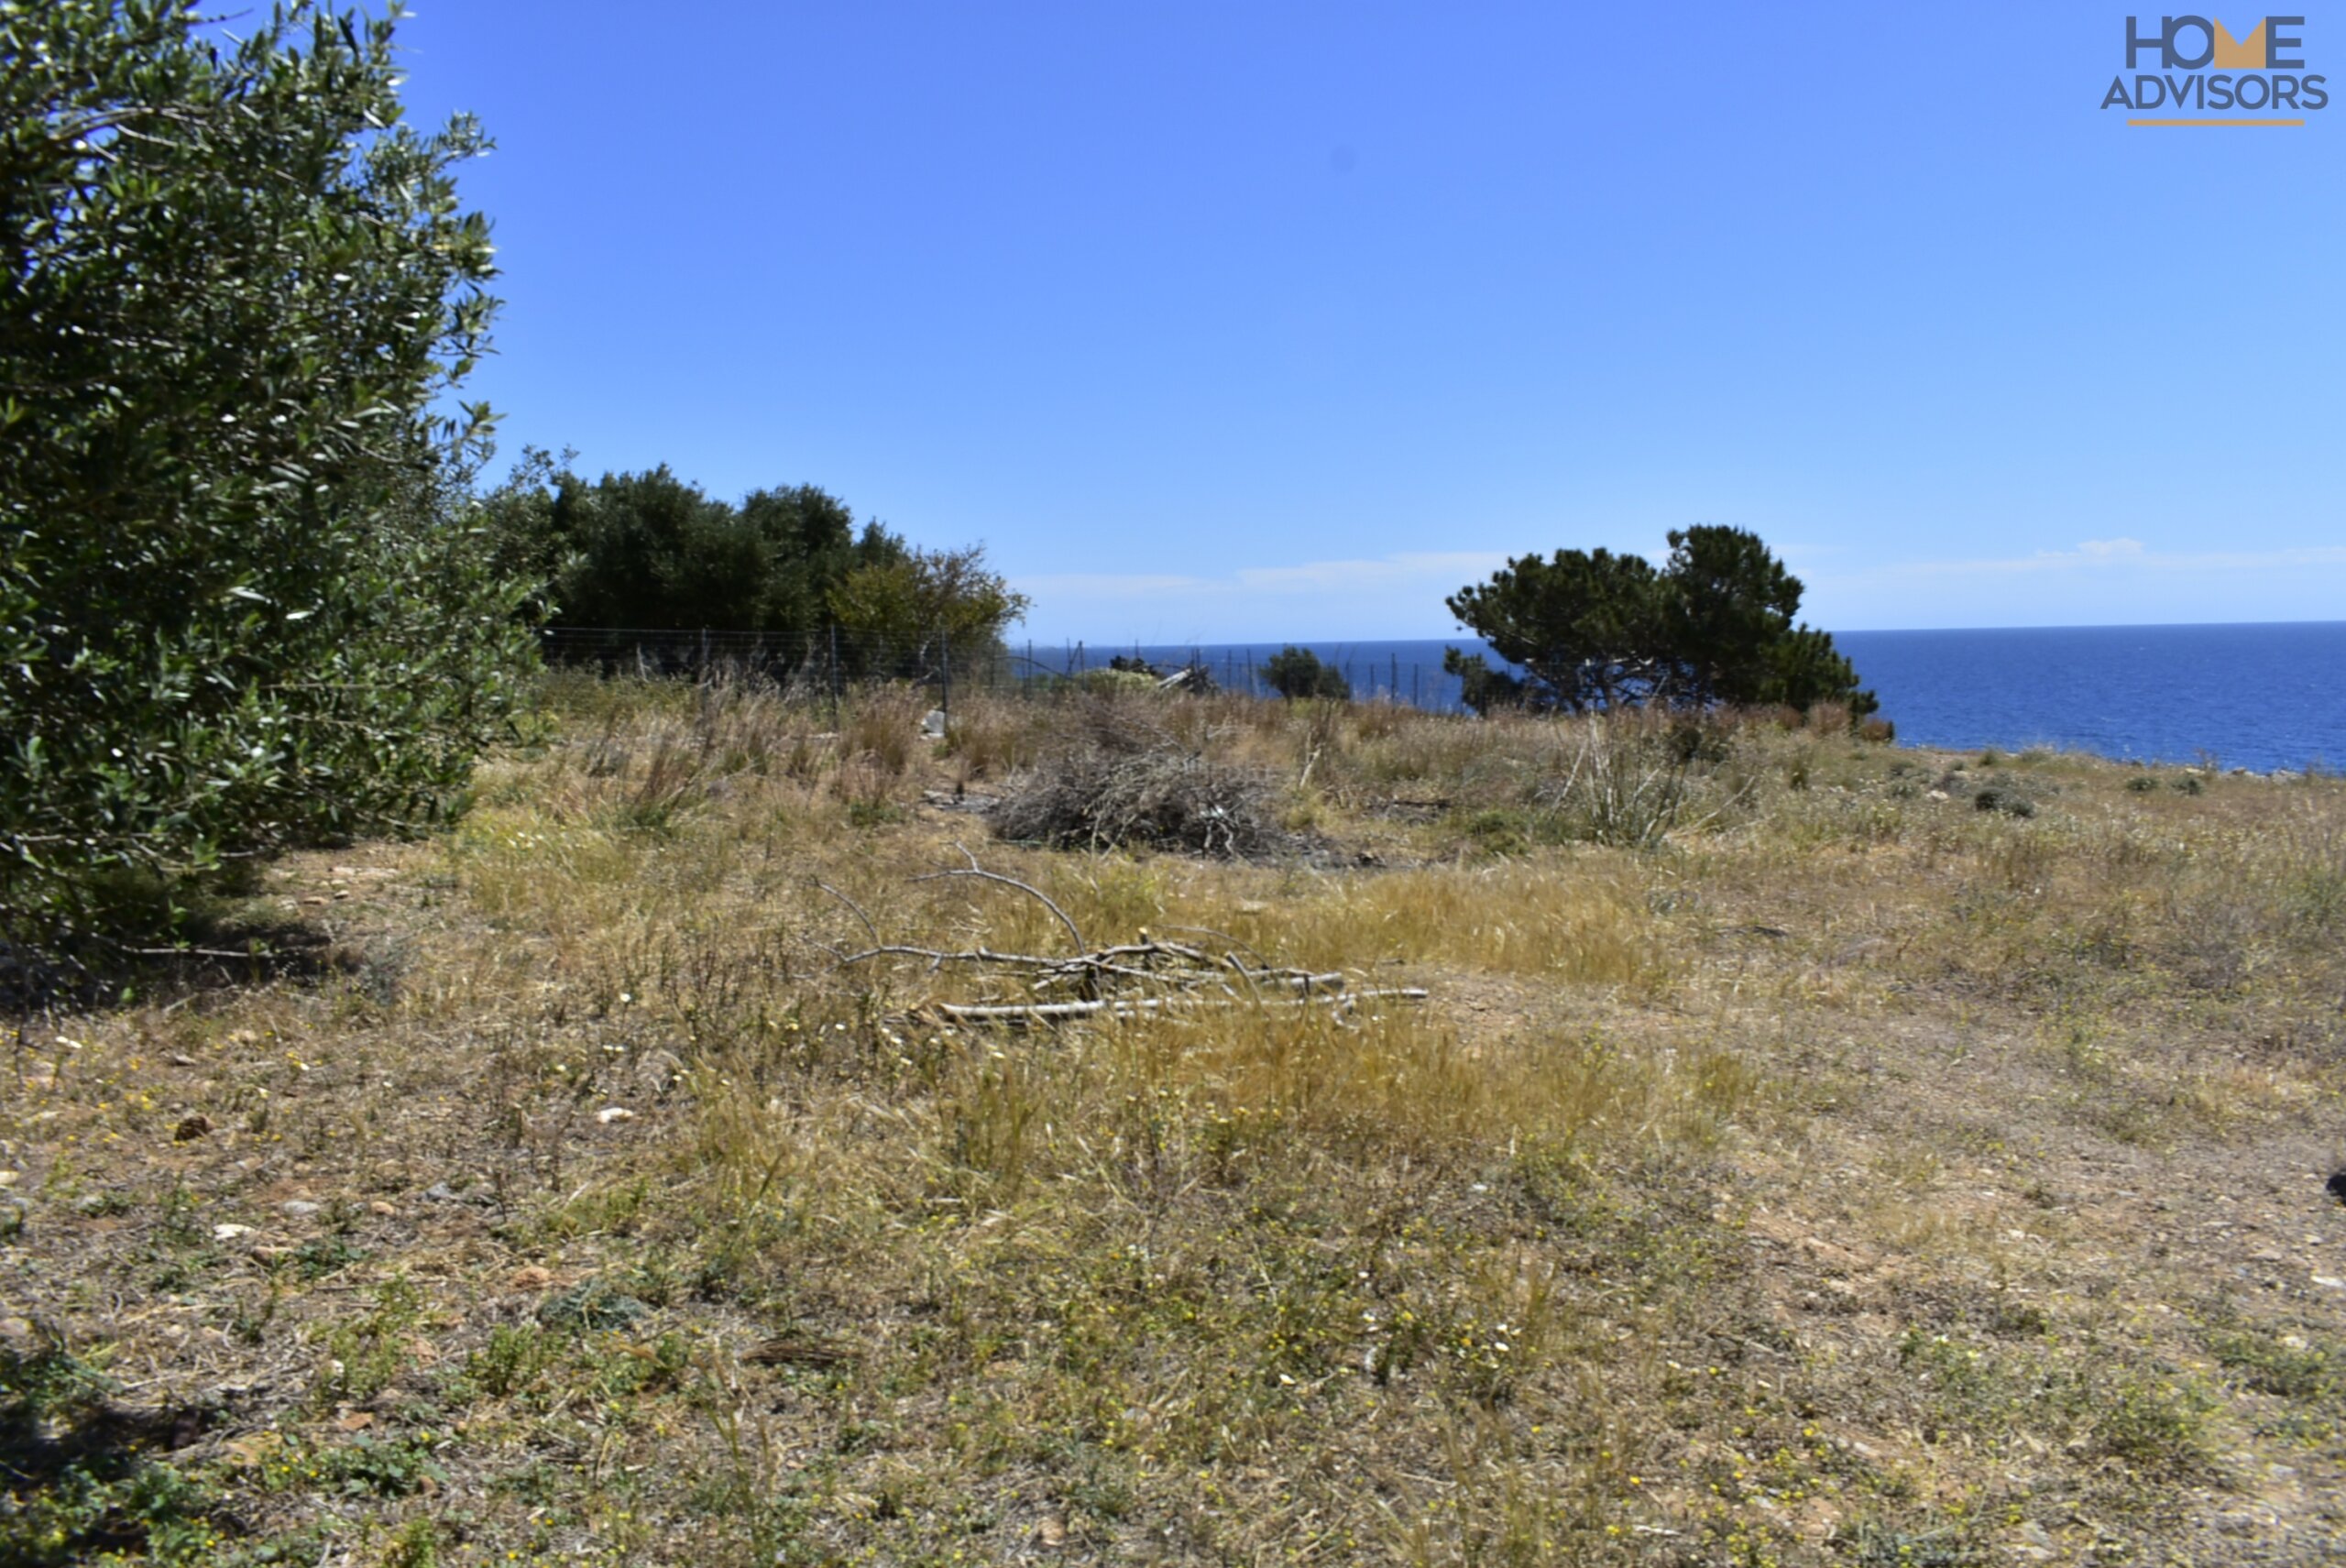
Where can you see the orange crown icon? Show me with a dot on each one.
(2240, 54)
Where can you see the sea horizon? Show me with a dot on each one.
(2265, 695)
(1836, 631)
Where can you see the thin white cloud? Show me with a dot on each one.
(1106, 585)
(1397, 594)
(1453, 567)
(2105, 554)
(1409, 569)
(2222, 561)
(2106, 550)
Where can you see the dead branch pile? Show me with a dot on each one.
(1121, 785)
(1128, 979)
(1131, 980)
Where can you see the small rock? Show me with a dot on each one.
(298, 1207)
(191, 1128)
(611, 1114)
(441, 1193)
(183, 1059)
(9, 1178)
(94, 1203)
(16, 1336)
(383, 1209)
(230, 1233)
(530, 1279)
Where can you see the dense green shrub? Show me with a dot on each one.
(926, 608)
(652, 550)
(1295, 672)
(242, 603)
(631, 554)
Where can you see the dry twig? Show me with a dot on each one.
(1018, 1014)
(1177, 976)
(975, 870)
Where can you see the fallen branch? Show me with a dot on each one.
(1210, 931)
(1169, 976)
(975, 870)
(1014, 1014)
(852, 907)
(1102, 962)
(1086, 968)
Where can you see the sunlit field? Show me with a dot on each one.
(1804, 1150)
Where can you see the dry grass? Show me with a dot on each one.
(1827, 1170)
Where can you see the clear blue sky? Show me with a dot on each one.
(1259, 321)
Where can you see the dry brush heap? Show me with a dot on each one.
(1133, 980)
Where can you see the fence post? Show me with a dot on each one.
(945, 684)
(835, 674)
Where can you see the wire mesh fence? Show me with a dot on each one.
(831, 660)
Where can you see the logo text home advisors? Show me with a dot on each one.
(2196, 66)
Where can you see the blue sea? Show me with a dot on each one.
(2259, 697)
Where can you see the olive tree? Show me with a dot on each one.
(245, 601)
(927, 610)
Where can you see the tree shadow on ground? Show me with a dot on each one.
(82, 1474)
(214, 947)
